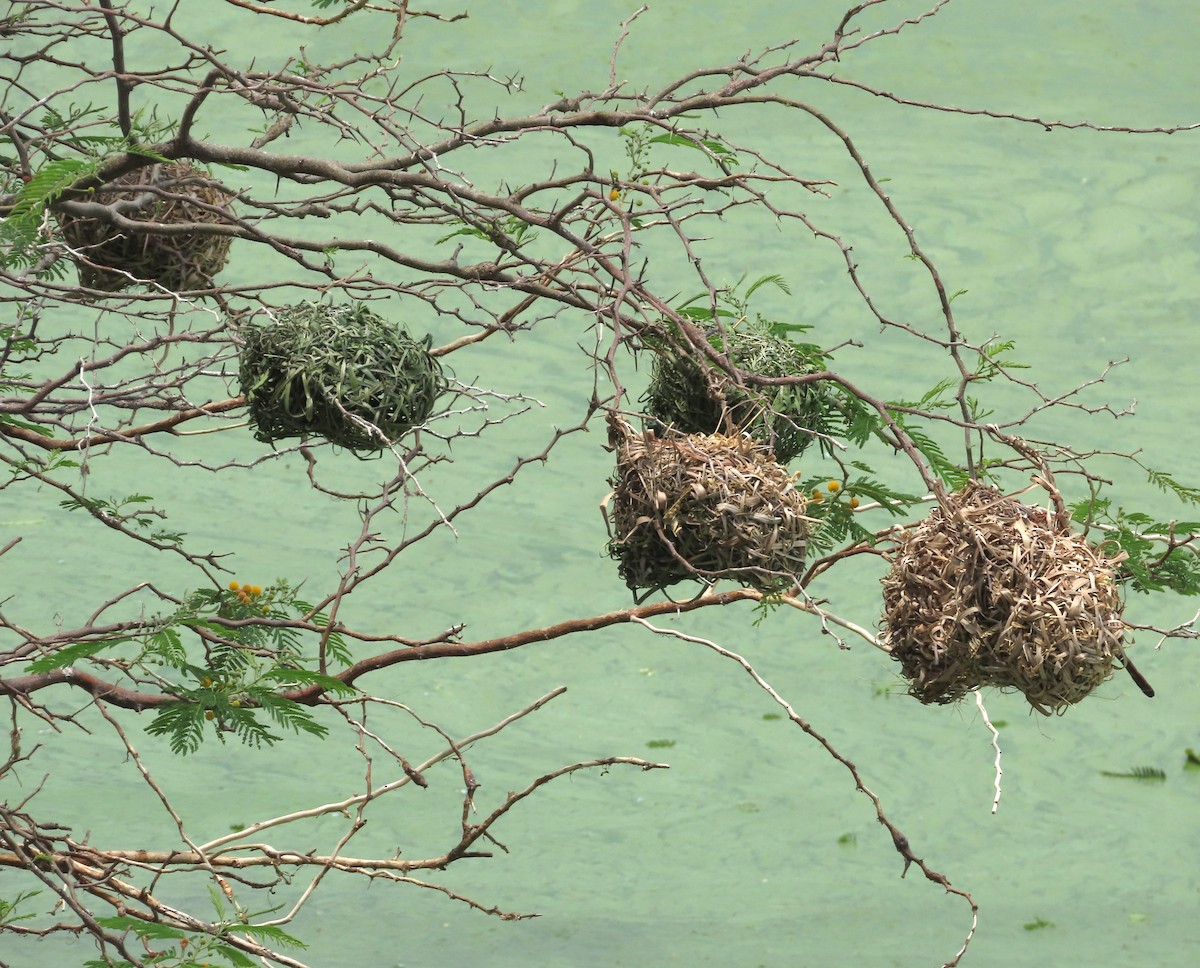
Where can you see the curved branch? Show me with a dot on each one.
(352, 7)
(18, 432)
(124, 85)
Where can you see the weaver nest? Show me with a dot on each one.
(988, 591)
(341, 372)
(703, 507)
(171, 194)
(697, 397)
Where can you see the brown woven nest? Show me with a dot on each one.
(173, 193)
(703, 507)
(988, 591)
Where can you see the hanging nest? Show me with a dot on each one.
(697, 397)
(174, 193)
(988, 591)
(703, 507)
(339, 372)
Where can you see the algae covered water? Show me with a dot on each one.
(755, 848)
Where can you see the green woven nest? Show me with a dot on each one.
(697, 397)
(172, 194)
(339, 372)
(988, 591)
(704, 507)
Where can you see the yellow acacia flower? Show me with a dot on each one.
(834, 487)
(233, 586)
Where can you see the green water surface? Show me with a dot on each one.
(754, 849)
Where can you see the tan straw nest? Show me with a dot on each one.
(988, 591)
(171, 194)
(703, 507)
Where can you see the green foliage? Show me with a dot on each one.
(46, 186)
(773, 279)
(15, 342)
(1165, 482)
(1145, 773)
(128, 512)
(248, 663)
(35, 466)
(712, 148)
(183, 724)
(1161, 555)
(8, 909)
(765, 606)
(887, 690)
(68, 655)
(944, 397)
(508, 232)
(839, 524)
(951, 474)
(638, 139)
(192, 949)
(869, 488)
(20, 467)
(149, 930)
(20, 231)
(233, 675)
(65, 122)
(994, 359)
